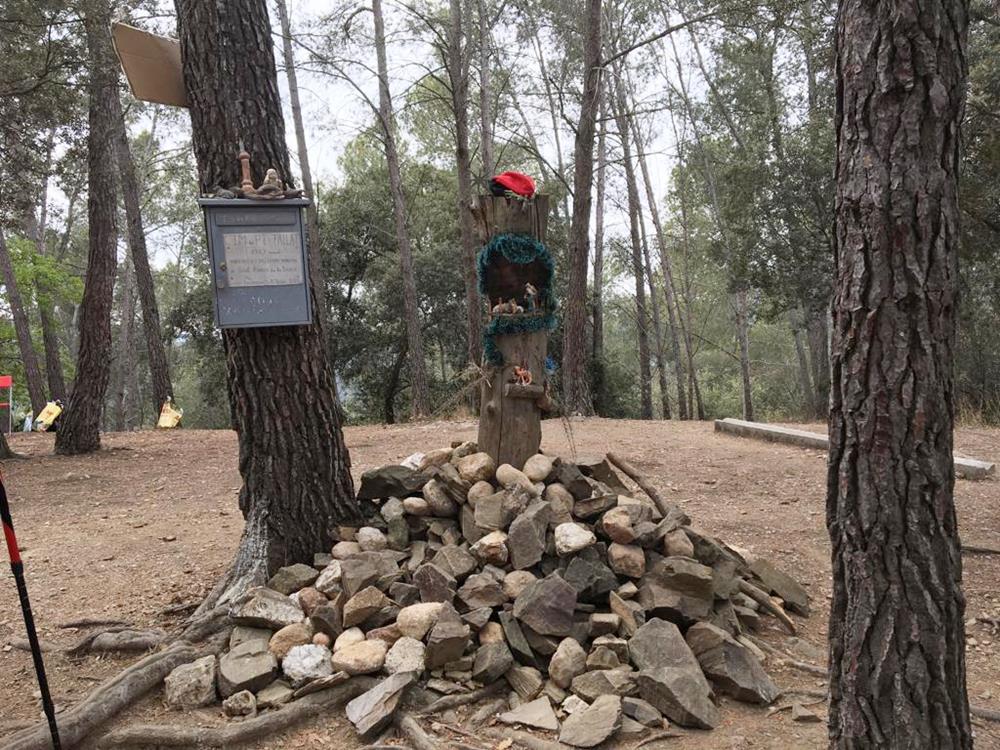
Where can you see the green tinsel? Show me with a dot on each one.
(520, 249)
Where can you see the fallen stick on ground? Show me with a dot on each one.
(985, 713)
(788, 659)
(463, 699)
(667, 735)
(644, 484)
(88, 622)
(769, 606)
(975, 550)
(785, 706)
(485, 712)
(170, 735)
(410, 728)
(524, 739)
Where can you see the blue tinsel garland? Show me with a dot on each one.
(520, 249)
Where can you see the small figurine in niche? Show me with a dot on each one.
(272, 184)
(531, 297)
(522, 375)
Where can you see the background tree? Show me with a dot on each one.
(296, 469)
(897, 625)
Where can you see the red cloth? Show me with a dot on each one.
(516, 182)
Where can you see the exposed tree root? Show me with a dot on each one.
(640, 479)
(410, 728)
(118, 639)
(463, 699)
(667, 735)
(789, 660)
(112, 696)
(984, 713)
(21, 644)
(168, 735)
(769, 606)
(974, 550)
(483, 713)
(88, 622)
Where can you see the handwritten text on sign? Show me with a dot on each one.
(263, 259)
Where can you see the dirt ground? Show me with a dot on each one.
(152, 521)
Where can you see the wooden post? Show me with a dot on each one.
(510, 428)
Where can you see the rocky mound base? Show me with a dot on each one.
(588, 609)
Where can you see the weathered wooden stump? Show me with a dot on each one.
(512, 261)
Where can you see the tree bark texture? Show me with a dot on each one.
(458, 72)
(43, 295)
(79, 431)
(818, 335)
(741, 305)
(598, 378)
(638, 273)
(486, 155)
(123, 391)
(22, 329)
(419, 396)
(5, 451)
(805, 376)
(296, 469)
(159, 370)
(576, 391)
(897, 642)
(654, 307)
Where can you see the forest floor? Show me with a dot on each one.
(152, 521)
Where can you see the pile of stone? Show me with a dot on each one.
(601, 612)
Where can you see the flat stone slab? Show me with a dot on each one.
(966, 468)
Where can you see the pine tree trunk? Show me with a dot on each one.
(122, 389)
(638, 273)
(654, 306)
(805, 377)
(668, 276)
(296, 469)
(159, 371)
(22, 329)
(818, 334)
(79, 431)
(43, 295)
(312, 210)
(598, 369)
(458, 72)
(486, 156)
(742, 308)
(419, 397)
(897, 640)
(576, 391)
(5, 451)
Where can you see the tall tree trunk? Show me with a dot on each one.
(5, 451)
(805, 376)
(296, 469)
(312, 210)
(123, 389)
(818, 334)
(668, 275)
(392, 385)
(79, 431)
(486, 157)
(458, 72)
(897, 619)
(638, 273)
(599, 382)
(419, 397)
(576, 393)
(159, 371)
(22, 329)
(552, 108)
(742, 307)
(654, 306)
(43, 295)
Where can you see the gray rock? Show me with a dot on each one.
(328, 581)
(249, 666)
(591, 685)
(244, 633)
(627, 560)
(679, 695)
(265, 608)
(601, 499)
(371, 711)
(599, 468)
(604, 623)
(357, 573)
(371, 539)
(803, 715)
(447, 640)
(326, 619)
(438, 500)
(435, 584)
(278, 693)
(526, 681)
(290, 579)
(398, 533)
(560, 502)
(191, 685)
(618, 645)
(476, 467)
(526, 537)
(538, 467)
(631, 613)
(491, 548)
(306, 663)
(546, 606)
(729, 665)
(390, 481)
(405, 655)
(537, 714)
(477, 618)
(243, 703)
(516, 639)
(568, 662)
(659, 644)
(492, 660)
(323, 683)
(363, 605)
(603, 657)
(416, 620)
(590, 577)
(404, 594)
(456, 561)
(516, 581)
(570, 477)
(678, 589)
(591, 726)
(782, 585)
(481, 590)
(642, 711)
(677, 544)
